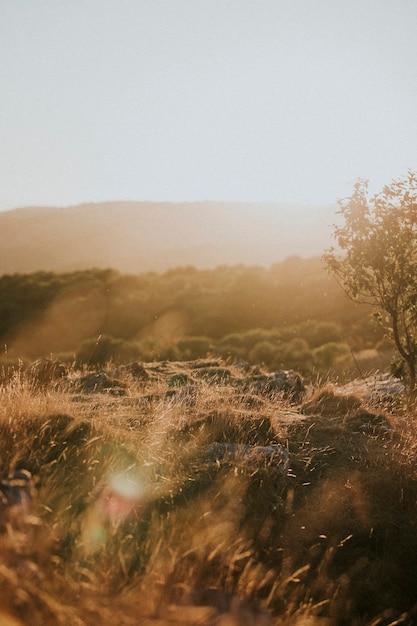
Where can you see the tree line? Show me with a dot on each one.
(290, 315)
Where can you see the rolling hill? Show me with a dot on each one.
(148, 236)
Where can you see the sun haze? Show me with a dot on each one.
(244, 100)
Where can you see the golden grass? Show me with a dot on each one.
(132, 525)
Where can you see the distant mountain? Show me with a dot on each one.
(141, 236)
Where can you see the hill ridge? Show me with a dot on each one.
(136, 236)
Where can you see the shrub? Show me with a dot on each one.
(191, 348)
(104, 349)
(327, 355)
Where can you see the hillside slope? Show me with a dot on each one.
(141, 236)
(173, 494)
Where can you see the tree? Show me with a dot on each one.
(377, 260)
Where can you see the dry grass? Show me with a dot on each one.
(131, 524)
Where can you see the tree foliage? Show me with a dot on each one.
(378, 264)
(278, 316)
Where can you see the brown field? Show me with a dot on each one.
(134, 517)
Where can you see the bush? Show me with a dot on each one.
(194, 347)
(319, 333)
(104, 349)
(264, 352)
(296, 355)
(329, 354)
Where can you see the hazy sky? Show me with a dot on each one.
(249, 100)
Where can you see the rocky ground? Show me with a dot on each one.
(204, 492)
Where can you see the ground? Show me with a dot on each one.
(201, 493)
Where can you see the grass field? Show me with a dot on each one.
(178, 498)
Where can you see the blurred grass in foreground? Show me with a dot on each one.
(134, 523)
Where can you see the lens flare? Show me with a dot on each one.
(120, 499)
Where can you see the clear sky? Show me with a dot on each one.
(246, 100)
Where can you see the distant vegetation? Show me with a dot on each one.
(291, 315)
(137, 237)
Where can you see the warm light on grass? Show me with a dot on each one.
(162, 508)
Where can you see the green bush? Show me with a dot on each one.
(264, 352)
(104, 349)
(194, 347)
(329, 354)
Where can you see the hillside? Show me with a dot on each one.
(175, 494)
(144, 236)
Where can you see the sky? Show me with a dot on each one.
(280, 101)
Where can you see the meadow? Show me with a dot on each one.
(184, 493)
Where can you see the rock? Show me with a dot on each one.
(17, 492)
(380, 388)
(287, 383)
(243, 365)
(17, 489)
(215, 374)
(178, 380)
(100, 383)
(137, 370)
